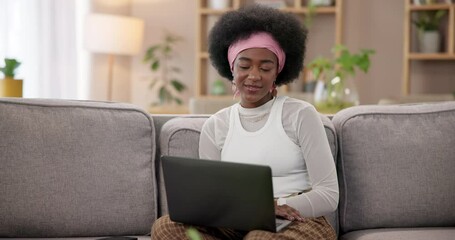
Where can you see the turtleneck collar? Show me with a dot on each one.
(264, 108)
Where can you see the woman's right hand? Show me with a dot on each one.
(288, 212)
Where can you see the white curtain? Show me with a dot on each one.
(45, 35)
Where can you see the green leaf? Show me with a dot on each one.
(150, 54)
(177, 85)
(167, 49)
(193, 234)
(339, 48)
(178, 101)
(429, 20)
(320, 65)
(155, 65)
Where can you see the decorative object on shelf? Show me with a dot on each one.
(427, 23)
(335, 88)
(113, 35)
(272, 3)
(428, 2)
(218, 88)
(218, 4)
(159, 56)
(321, 3)
(9, 86)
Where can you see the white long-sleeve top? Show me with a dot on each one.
(303, 126)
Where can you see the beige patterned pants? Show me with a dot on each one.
(311, 228)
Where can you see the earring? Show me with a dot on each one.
(273, 90)
(234, 90)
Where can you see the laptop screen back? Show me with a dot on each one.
(219, 194)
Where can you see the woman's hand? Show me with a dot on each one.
(287, 212)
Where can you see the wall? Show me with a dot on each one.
(99, 62)
(176, 17)
(376, 24)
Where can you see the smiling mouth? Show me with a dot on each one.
(252, 87)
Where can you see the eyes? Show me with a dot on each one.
(262, 69)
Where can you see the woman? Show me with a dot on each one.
(259, 48)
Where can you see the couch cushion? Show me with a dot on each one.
(73, 168)
(180, 137)
(401, 233)
(396, 166)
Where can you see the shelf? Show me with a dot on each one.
(409, 51)
(431, 56)
(204, 55)
(430, 7)
(303, 10)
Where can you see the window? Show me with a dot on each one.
(46, 36)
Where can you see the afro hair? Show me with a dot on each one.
(240, 24)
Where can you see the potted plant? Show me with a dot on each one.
(218, 87)
(335, 89)
(427, 23)
(165, 82)
(9, 86)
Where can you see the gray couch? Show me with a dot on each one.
(86, 170)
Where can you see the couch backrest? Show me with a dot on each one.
(180, 137)
(396, 166)
(73, 168)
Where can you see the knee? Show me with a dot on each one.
(164, 228)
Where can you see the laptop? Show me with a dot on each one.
(220, 194)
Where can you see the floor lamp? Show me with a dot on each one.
(113, 35)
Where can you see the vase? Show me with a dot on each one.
(429, 42)
(334, 94)
(10, 87)
(218, 4)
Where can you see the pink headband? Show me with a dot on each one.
(257, 40)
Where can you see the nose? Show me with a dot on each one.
(254, 74)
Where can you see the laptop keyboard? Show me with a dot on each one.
(281, 223)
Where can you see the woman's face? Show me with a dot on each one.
(255, 71)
